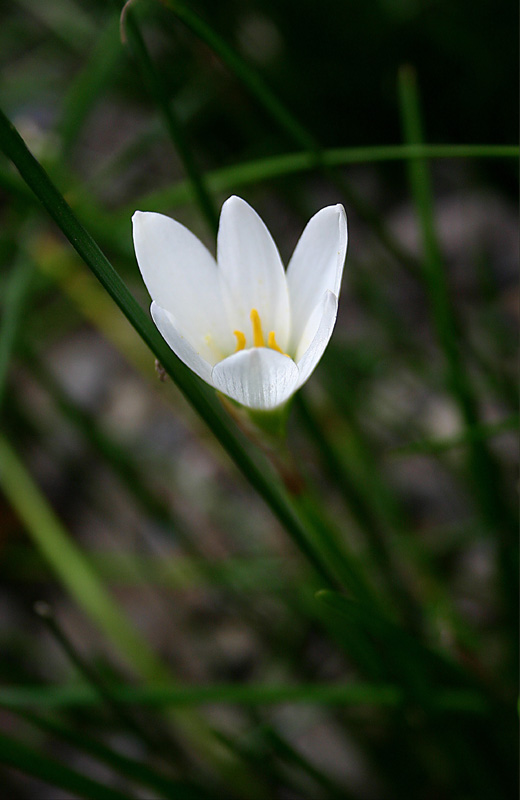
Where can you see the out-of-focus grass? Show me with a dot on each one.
(120, 507)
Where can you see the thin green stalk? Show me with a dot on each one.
(89, 84)
(248, 76)
(275, 167)
(288, 754)
(365, 515)
(14, 753)
(200, 397)
(12, 313)
(131, 768)
(180, 141)
(70, 564)
(159, 740)
(482, 467)
(353, 693)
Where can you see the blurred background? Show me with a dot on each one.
(406, 433)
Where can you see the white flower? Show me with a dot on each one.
(243, 324)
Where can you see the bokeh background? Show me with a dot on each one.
(424, 501)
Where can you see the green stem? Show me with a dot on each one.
(482, 466)
(12, 311)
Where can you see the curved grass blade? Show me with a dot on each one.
(158, 91)
(275, 167)
(482, 466)
(70, 564)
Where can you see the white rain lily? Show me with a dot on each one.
(243, 324)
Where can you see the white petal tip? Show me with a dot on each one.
(139, 219)
(236, 201)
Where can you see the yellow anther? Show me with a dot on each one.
(258, 334)
(241, 340)
(271, 342)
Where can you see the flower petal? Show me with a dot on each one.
(181, 276)
(178, 343)
(316, 336)
(252, 272)
(258, 378)
(316, 266)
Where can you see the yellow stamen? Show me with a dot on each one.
(241, 340)
(272, 343)
(258, 334)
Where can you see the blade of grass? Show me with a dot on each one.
(180, 141)
(87, 87)
(68, 562)
(288, 754)
(131, 768)
(363, 512)
(353, 693)
(245, 573)
(14, 753)
(158, 739)
(485, 475)
(236, 176)
(12, 312)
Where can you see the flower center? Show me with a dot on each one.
(258, 335)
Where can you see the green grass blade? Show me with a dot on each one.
(349, 694)
(131, 768)
(158, 739)
(90, 83)
(249, 77)
(361, 508)
(233, 177)
(12, 311)
(487, 481)
(69, 563)
(180, 141)
(18, 755)
(417, 669)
